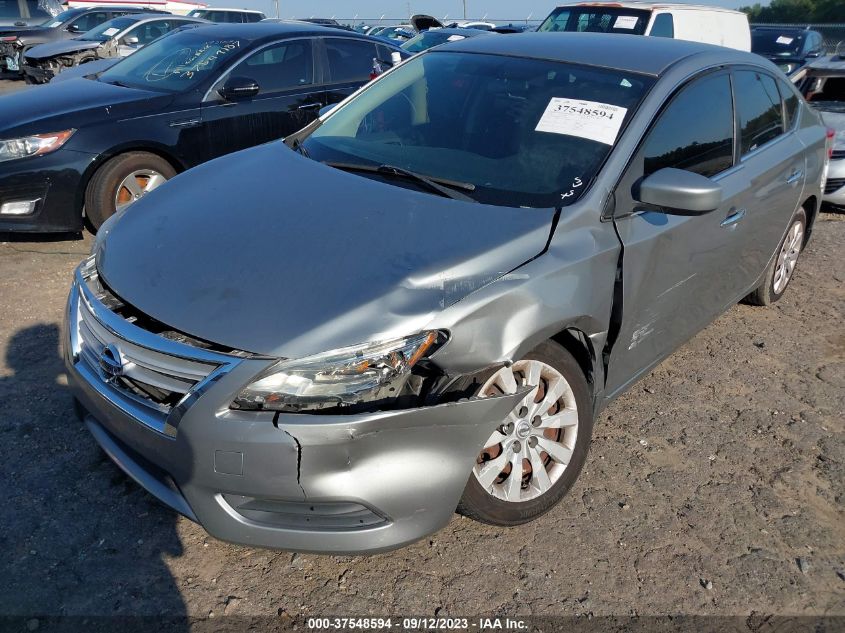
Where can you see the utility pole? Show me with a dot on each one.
(465, 9)
(276, 2)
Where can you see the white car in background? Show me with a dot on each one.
(696, 23)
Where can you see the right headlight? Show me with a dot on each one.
(348, 376)
(35, 145)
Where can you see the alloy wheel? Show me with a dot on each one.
(136, 185)
(531, 449)
(788, 257)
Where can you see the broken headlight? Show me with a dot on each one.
(348, 376)
(35, 145)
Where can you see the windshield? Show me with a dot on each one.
(60, 19)
(429, 39)
(174, 64)
(597, 19)
(519, 132)
(108, 30)
(776, 43)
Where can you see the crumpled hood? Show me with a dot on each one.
(71, 104)
(62, 47)
(269, 252)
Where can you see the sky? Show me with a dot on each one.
(348, 9)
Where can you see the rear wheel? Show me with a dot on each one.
(780, 271)
(535, 455)
(123, 180)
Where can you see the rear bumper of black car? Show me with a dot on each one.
(52, 182)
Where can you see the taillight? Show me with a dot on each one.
(11, 38)
(831, 134)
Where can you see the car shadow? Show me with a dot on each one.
(79, 538)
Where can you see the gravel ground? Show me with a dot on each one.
(714, 487)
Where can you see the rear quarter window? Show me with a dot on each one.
(759, 109)
(350, 60)
(790, 103)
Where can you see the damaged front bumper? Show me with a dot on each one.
(40, 73)
(360, 483)
(10, 57)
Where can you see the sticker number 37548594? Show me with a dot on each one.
(585, 119)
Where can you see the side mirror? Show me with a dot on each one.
(814, 54)
(131, 41)
(680, 192)
(74, 28)
(237, 88)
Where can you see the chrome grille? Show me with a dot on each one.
(151, 376)
(834, 184)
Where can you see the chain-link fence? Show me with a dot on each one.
(832, 33)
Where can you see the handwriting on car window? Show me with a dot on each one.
(577, 183)
(187, 62)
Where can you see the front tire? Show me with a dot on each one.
(123, 180)
(780, 270)
(545, 440)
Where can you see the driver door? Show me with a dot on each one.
(287, 99)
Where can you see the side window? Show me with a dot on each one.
(90, 20)
(790, 103)
(35, 11)
(10, 9)
(279, 67)
(349, 60)
(664, 26)
(150, 31)
(253, 17)
(758, 108)
(682, 138)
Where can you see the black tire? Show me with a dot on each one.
(765, 293)
(478, 504)
(102, 190)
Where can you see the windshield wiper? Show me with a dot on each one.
(442, 186)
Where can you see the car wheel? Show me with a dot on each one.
(780, 270)
(123, 180)
(535, 455)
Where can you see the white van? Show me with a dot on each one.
(697, 23)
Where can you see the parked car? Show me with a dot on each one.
(394, 34)
(98, 144)
(116, 38)
(494, 240)
(469, 24)
(428, 39)
(24, 13)
(65, 25)
(228, 16)
(823, 86)
(711, 25)
(789, 48)
(327, 22)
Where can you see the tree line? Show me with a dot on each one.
(805, 11)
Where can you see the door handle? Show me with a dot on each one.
(795, 177)
(734, 217)
(310, 106)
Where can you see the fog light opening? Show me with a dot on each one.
(19, 207)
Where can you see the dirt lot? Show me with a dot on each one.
(714, 487)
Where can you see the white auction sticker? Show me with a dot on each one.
(625, 22)
(586, 119)
(784, 40)
(110, 32)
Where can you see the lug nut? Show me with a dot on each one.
(537, 421)
(507, 429)
(532, 441)
(523, 411)
(517, 447)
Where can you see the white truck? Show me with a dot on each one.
(697, 23)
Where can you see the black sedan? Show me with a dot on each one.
(88, 146)
(14, 42)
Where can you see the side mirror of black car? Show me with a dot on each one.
(814, 54)
(679, 192)
(237, 88)
(74, 28)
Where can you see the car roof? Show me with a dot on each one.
(260, 30)
(228, 9)
(634, 53)
(151, 17)
(634, 4)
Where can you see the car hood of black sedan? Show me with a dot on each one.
(62, 47)
(269, 252)
(72, 104)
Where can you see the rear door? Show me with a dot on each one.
(772, 163)
(679, 272)
(288, 98)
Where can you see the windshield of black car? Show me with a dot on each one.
(524, 132)
(60, 19)
(430, 39)
(176, 63)
(108, 30)
(597, 19)
(776, 43)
